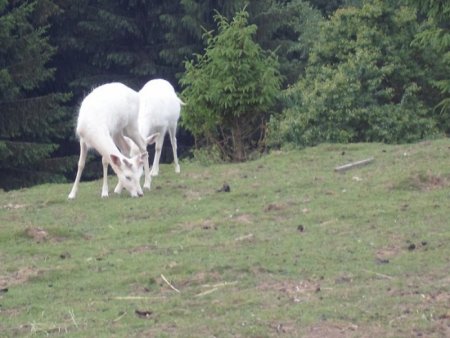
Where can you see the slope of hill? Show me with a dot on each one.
(294, 249)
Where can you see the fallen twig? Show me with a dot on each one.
(242, 238)
(72, 316)
(131, 298)
(379, 274)
(207, 292)
(354, 164)
(120, 317)
(218, 285)
(168, 283)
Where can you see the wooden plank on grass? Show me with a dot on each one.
(354, 164)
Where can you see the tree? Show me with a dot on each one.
(436, 36)
(327, 7)
(364, 82)
(289, 28)
(31, 115)
(230, 89)
(104, 41)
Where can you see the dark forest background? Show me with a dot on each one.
(300, 73)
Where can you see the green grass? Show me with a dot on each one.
(295, 249)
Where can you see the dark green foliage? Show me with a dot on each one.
(288, 28)
(230, 88)
(30, 115)
(435, 38)
(106, 41)
(364, 82)
(327, 7)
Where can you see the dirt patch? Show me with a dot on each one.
(142, 249)
(328, 329)
(36, 234)
(290, 204)
(423, 182)
(274, 207)
(205, 279)
(192, 195)
(296, 291)
(244, 219)
(386, 254)
(19, 277)
(206, 224)
(40, 235)
(286, 328)
(341, 330)
(13, 206)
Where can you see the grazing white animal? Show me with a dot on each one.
(107, 114)
(159, 111)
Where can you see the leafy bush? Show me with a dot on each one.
(363, 82)
(229, 89)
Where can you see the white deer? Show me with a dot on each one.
(107, 114)
(159, 111)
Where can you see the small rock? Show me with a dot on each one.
(64, 255)
(411, 247)
(143, 314)
(225, 188)
(382, 261)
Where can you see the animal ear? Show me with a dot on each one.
(115, 160)
(141, 158)
(152, 138)
(128, 163)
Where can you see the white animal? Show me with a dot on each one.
(107, 114)
(159, 112)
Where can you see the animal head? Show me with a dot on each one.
(129, 172)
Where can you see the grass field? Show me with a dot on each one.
(294, 249)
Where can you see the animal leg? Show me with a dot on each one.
(81, 163)
(173, 141)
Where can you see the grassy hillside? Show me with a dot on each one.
(295, 249)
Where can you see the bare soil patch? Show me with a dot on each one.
(342, 330)
(296, 291)
(18, 277)
(244, 218)
(13, 206)
(39, 235)
(424, 182)
(206, 224)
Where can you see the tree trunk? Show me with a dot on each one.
(238, 142)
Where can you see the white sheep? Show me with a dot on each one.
(107, 114)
